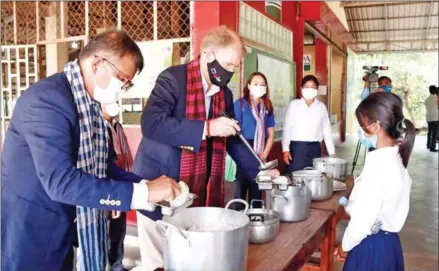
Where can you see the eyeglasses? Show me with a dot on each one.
(230, 67)
(128, 83)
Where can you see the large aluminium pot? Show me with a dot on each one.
(292, 204)
(321, 184)
(264, 224)
(206, 239)
(336, 166)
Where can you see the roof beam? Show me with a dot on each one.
(395, 29)
(379, 4)
(397, 41)
(318, 34)
(346, 4)
(392, 18)
(428, 23)
(396, 51)
(386, 26)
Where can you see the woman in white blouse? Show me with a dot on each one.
(381, 193)
(306, 125)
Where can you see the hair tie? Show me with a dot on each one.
(403, 126)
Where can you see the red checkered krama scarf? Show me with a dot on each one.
(124, 157)
(193, 167)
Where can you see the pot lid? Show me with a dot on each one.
(330, 160)
(282, 180)
(307, 173)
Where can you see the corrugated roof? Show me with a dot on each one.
(393, 26)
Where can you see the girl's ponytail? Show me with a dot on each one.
(387, 109)
(406, 146)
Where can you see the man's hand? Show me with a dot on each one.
(287, 157)
(366, 78)
(162, 188)
(263, 156)
(115, 214)
(274, 173)
(223, 127)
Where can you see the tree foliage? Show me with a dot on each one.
(411, 74)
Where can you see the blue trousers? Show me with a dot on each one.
(377, 252)
(245, 185)
(302, 154)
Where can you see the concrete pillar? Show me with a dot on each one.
(51, 48)
(208, 15)
(57, 54)
(321, 52)
(322, 62)
(292, 18)
(258, 5)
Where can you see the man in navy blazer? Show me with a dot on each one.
(167, 131)
(41, 184)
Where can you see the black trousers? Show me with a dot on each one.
(117, 231)
(302, 154)
(433, 127)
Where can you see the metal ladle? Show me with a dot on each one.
(262, 165)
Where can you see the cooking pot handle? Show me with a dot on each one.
(284, 199)
(305, 181)
(237, 200)
(256, 200)
(165, 225)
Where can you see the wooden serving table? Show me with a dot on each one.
(337, 214)
(293, 245)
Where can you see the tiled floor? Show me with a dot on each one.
(419, 236)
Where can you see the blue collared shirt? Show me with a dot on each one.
(247, 122)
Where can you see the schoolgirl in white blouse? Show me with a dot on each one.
(381, 193)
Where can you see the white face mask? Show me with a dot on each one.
(111, 109)
(110, 94)
(257, 91)
(309, 93)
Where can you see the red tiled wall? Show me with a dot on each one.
(134, 135)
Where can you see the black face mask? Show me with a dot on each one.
(218, 75)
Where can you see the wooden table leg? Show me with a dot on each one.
(325, 250)
(323, 262)
(328, 245)
(331, 241)
(307, 249)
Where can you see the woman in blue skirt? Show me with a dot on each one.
(306, 125)
(381, 193)
(255, 115)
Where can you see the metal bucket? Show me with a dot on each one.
(206, 239)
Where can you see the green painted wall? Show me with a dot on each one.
(251, 65)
